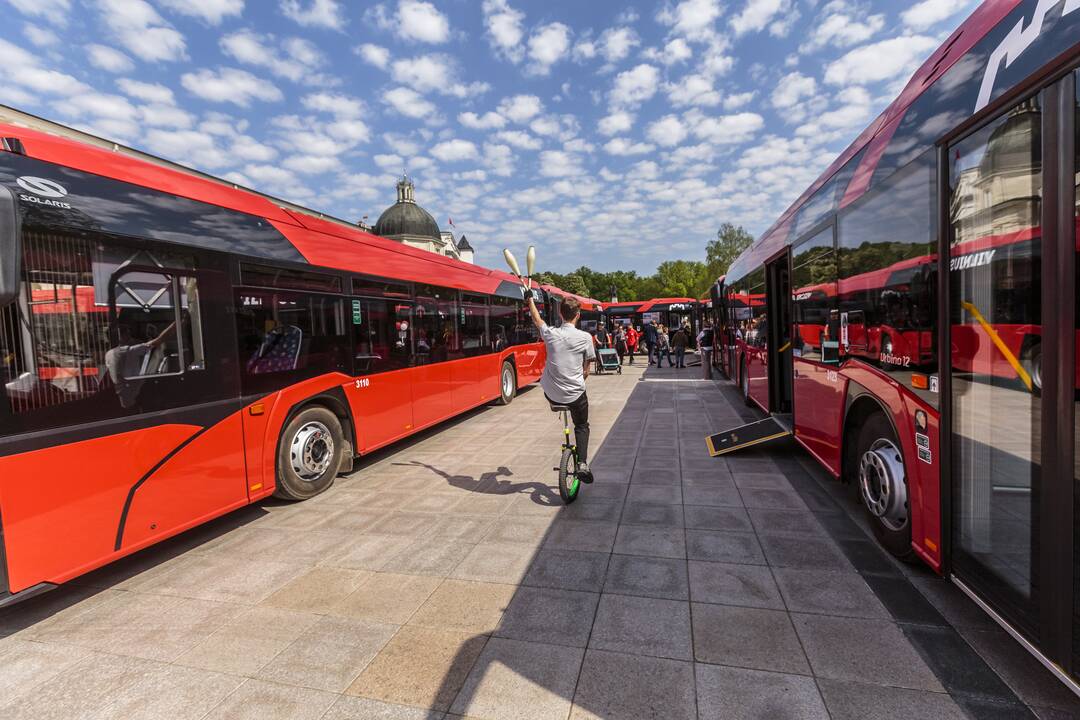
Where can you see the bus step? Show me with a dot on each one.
(745, 436)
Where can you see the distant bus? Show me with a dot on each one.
(913, 318)
(173, 348)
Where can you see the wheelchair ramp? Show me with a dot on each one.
(744, 436)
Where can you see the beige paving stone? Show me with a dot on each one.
(177, 693)
(499, 562)
(466, 606)
(387, 597)
(515, 529)
(318, 590)
(429, 555)
(330, 654)
(358, 708)
(224, 579)
(25, 665)
(83, 691)
(366, 552)
(250, 641)
(423, 667)
(261, 700)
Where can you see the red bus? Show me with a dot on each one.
(173, 348)
(900, 317)
(670, 312)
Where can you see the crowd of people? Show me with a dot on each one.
(656, 341)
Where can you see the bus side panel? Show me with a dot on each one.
(757, 370)
(923, 477)
(432, 398)
(204, 479)
(819, 410)
(530, 363)
(256, 416)
(382, 408)
(465, 383)
(61, 506)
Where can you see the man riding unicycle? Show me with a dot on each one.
(569, 351)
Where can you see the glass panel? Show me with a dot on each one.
(814, 296)
(381, 333)
(995, 250)
(436, 324)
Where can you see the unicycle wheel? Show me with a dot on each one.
(569, 484)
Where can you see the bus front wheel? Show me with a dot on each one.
(507, 383)
(882, 485)
(309, 454)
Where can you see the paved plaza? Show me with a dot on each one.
(444, 579)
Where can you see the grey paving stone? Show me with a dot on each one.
(608, 490)
(740, 694)
(357, 708)
(517, 529)
(366, 552)
(638, 513)
(399, 523)
(771, 498)
(863, 651)
(568, 570)
(644, 626)
(733, 584)
(591, 508)
(614, 685)
(656, 494)
(747, 637)
(581, 535)
(515, 680)
(261, 700)
(828, 592)
(648, 576)
(499, 562)
(722, 494)
(857, 701)
(651, 541)
(703, 517)
(732, 547)
(650, 476)
(803, 551)
(769, 481)
(429, 555)
(330, 654)
(558, 617)
(770, 521)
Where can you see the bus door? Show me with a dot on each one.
(1010, 255)
(381, 393)
(778, 287)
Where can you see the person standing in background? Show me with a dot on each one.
(679, 342)
(651, 340)
(663, 348)
(705, 343)
(633, 337)
(620, 342)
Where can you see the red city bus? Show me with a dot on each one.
(173, 348)
(671, 312)
(913, 317)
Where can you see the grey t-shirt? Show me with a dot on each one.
(567, 349)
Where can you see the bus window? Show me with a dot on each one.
(436, 324)
(287, 336)
(504, 315)
(473, 319)
(382, 341)
(814, 295)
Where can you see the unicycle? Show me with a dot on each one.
(569, 481)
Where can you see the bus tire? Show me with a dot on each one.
(744, 383)
(309, 454)
(1033, 366)
(507, 383)
(882, 485)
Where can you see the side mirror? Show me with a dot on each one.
(10, 255)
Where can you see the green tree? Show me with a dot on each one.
(574, 284)
(729, 243)
(682, 278)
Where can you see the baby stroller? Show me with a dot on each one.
(607, 359)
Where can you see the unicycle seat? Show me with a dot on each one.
(559, 408)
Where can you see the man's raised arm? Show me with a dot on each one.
(537, 320)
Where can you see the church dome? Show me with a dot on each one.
(405, 217)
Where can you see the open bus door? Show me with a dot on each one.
(778, 290)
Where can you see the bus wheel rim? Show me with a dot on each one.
(507, 382)
(883, 485)
(311, 451)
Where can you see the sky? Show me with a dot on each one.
(610, 134)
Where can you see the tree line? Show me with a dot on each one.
(673, 278)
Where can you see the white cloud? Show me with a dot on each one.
(312, 164)
(615, 123)
(251, 150)
(499, 159)
(166, 116)
(342, 106)
(374, 55)
(435, 73)
(487, 121)
(229, 85)
(879, 61)
(141, 30)
(109, 59)
(724, 129)
(54, 11)
(623, 146)
(40, 36)
(412, 21)
(668, 131)
(791, 89)
(635, 86)
(147, 92)
(520, 108)
(519, 139)
(757, 15)
(693, 19)
(296, 59)
(504, 29)
(212, 11)
(734, 102)
(926, 14)
(23, 68)
(676, 51)
(455, 151)
(409, 103)
(548, 45)
(556, 163)
(616, 43)
(842, 26)
(693, 89)
(316, 13)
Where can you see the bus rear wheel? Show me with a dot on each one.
(882, 485)
(507, 383)
(309, 454)
(1033, 366)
